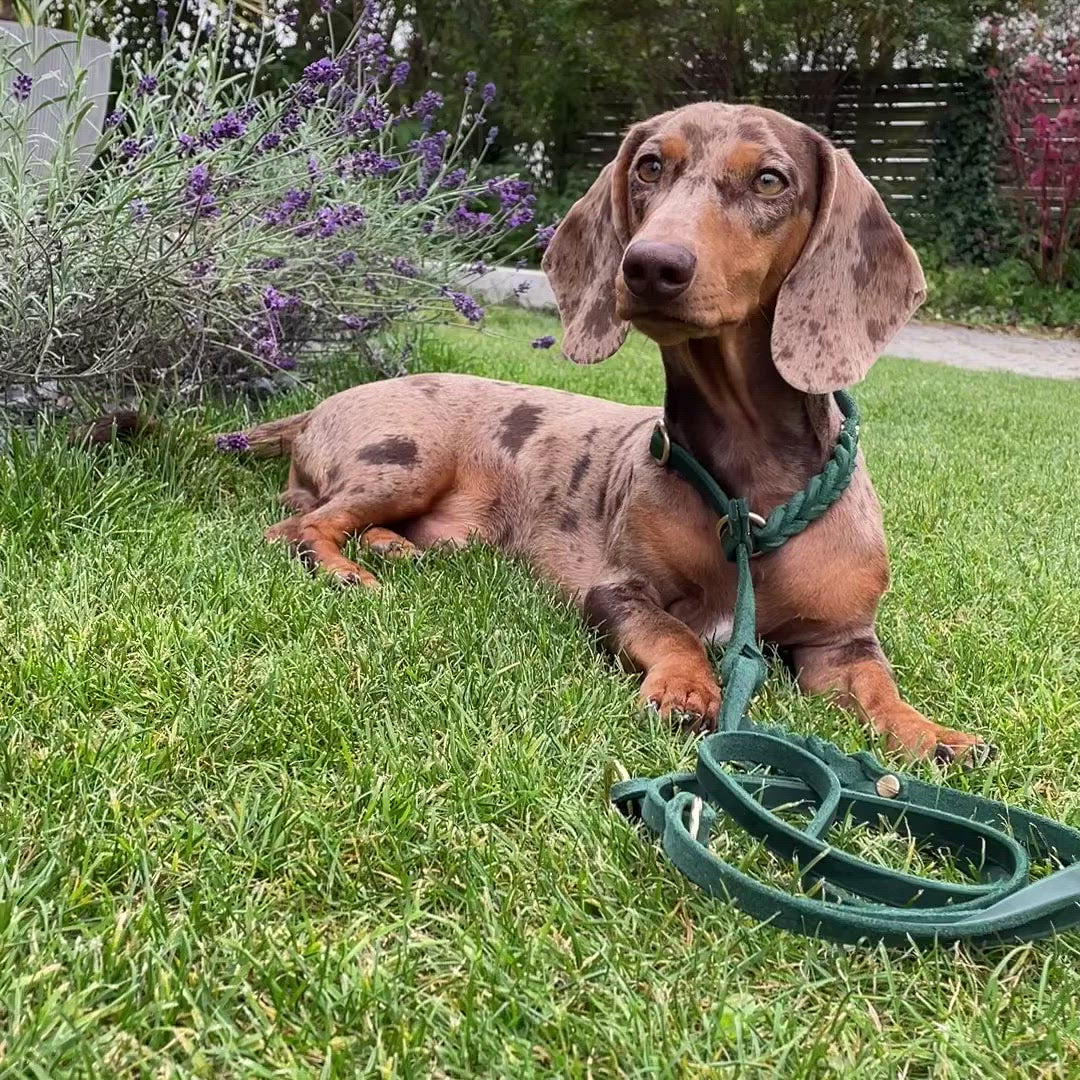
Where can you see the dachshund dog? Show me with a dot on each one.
(769, 272)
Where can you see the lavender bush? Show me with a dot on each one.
(221, 233)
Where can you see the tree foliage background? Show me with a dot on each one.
(560, 63)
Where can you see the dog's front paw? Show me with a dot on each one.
(686, 694)
(919, 739)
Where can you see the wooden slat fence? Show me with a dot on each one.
(888, 127)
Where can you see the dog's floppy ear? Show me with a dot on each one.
(581, 263)
(583, 259)
(855, 284)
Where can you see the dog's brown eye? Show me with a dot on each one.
(650, 169)
(769, 182)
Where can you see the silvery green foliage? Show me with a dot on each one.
(222, 232)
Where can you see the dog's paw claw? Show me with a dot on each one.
(944, 754)
(969, 756)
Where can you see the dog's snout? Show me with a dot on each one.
(657, 272)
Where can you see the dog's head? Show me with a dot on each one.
(713, 213)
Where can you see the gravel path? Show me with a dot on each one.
(981, 350)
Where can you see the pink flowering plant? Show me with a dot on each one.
(1039, 98)
(222, 232)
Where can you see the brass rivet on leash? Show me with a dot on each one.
(888, 786)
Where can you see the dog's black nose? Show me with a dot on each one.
(657, 272)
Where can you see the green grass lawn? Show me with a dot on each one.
(253, 825)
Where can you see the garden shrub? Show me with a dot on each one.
(1009, 294)
(959, 214)
(1039, 98)
(222, 232)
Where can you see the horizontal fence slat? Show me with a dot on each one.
(889, 128)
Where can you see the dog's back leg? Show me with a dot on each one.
(318, 536)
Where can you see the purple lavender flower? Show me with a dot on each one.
(266, 347)
(362, 324)
(198, 194)
(463, 304)
(371, 283)
(326, 6)
(270, 141)
(275, 263)
(130, 149)
(544, 342)
(371, 48)
(470, 79)
(404, 268)
(290, 17)
(374, 115)
(492, 135)
(306, 94)
(544, 234)
(487, 95)
(323, 72)
(230, 126)
(400, 73)
(148, 84)
(366, 163)
(430, 150)
(284, 363)
(428, 104)
(276, 301)
(511, 192)
(236, 442)
(346, 258)
(521, 216)
(290, 121)
(115, 118)
(370, 15)
(161, 15)
(478, 268)
(293, 202)
(332, 219)
(463, 220)
(200, 269)
(188, 144)
(454, 178)
(21, 86)
(198, 181)
(406, 195)
(138, 209)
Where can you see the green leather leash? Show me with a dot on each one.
(845, 898)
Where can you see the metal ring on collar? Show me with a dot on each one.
(662, 431)
(724, 524)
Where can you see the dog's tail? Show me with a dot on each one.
(272, 439)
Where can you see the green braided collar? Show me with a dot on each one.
(737, 524)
